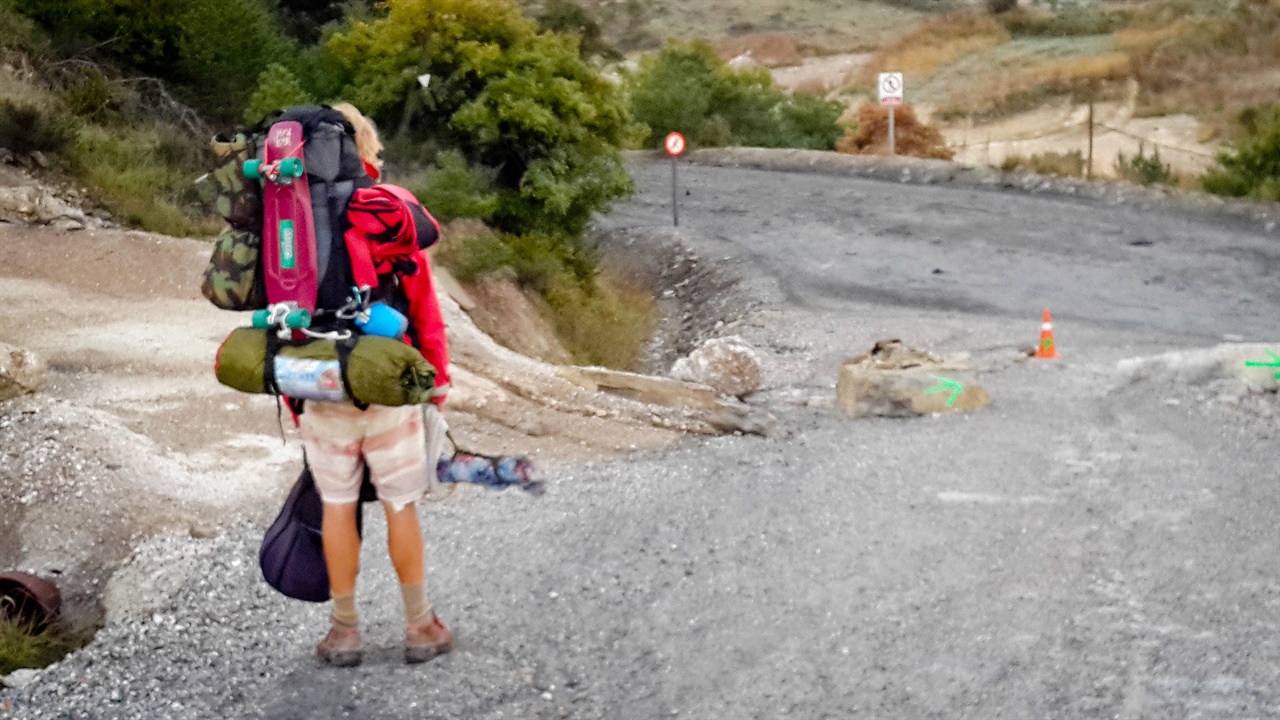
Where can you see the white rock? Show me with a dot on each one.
(21, 372)
(19, 679)
(728, 365)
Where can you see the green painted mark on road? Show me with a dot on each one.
(1275, 362)
(955, 388)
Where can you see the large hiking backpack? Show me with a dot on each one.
(316, 249)
(327, 164)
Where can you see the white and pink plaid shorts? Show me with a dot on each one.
(341, 439)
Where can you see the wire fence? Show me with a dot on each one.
(1190, 155)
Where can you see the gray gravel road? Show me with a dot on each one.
(1090, 546)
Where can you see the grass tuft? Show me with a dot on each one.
(1145, 169)
(22, 648)
(1069, 164)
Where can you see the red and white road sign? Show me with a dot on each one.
(674, 144)
(891, 90)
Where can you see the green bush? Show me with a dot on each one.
(277, 88)
(539, 262)
(451, 189)
(26, 128)
(89, 93)
(20, 33)
(805, 121)
(685, 88)
(1069, 164)
(1144, 170)
(1251, 167)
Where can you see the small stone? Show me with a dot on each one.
(19, 679)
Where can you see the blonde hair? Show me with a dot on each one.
(367, 142)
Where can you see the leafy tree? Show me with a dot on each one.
(304, 20)
(1252, 167)
(686, 88)
(211, 50)
(277, 88)
(141, 34)
(520, 104)
(567, 17)
(224, 46)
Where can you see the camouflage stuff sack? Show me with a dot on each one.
(233, 280)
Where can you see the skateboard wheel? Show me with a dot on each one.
(290, 167)
(253, 169)
(298, 319)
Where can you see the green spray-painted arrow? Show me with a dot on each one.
(956, 388)
(1275, 362)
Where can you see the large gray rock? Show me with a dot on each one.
(896, 381)
(727, 365)
(21, 372)
(34, 204)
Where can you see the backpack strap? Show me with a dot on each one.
(269, 384)
(344, 348)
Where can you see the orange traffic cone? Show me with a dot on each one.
(1048, 347)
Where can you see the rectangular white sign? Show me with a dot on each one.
(891, 90)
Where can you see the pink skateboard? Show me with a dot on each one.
(288, 231)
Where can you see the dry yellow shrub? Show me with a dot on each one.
(911, 137)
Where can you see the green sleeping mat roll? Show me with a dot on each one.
(380, 370)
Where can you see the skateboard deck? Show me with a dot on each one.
(288, 233)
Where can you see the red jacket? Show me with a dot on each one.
(428, 323)
(389, 234)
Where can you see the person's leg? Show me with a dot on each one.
(342, 646)
(425, 635)
(398, 467)
(395, 451)
(331, 435)
(341, 547)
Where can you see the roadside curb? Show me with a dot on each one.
(935, 172)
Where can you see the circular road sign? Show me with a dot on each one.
(674, 143)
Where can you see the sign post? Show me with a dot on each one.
(891, 94)
(675, 145)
